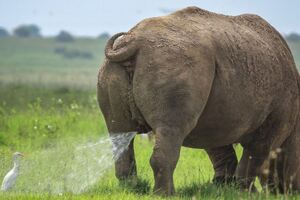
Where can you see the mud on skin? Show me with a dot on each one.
(205, 80)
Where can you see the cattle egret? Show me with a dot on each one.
(10, 178)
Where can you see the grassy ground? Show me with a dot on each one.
(35, 61)
(48, 108)
(47, 125)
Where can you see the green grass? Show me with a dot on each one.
(24, 126)
(48, 108)
(47, 125)
(34, 61)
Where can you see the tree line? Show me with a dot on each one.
(31, 31)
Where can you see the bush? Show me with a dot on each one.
(60, 50)
(27, 31)
(87, 55)
(3, 32)
(64, 36)
(293, 37)
(104, 36)
(73, 53)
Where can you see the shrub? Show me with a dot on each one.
(27, 31)
(60, 50)
(293, 37)
(73, 53)
(64, 36)
(104, 36)
(3, 32)
(87, 55)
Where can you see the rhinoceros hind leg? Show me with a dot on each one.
(277, 132)
(224, 162)
(282, 171)
(288, 165)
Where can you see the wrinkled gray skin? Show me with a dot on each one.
(204, 80)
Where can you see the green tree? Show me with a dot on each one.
(64, 36)
(27, 31)
(104, 36)
(3, 32)
(293, 37)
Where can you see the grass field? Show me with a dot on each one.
(48, 108)
(33, 61)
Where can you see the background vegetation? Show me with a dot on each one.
(48, 100)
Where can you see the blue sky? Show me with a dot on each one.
(91, 17)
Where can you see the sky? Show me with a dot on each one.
(92, 17)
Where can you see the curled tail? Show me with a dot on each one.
(127, 49)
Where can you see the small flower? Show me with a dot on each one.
(273, 155)
(49, 126)
(266, 171)
(59, 101)
(74, 106)
(278, 150)
(35, 127)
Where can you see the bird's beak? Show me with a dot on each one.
(21, 154)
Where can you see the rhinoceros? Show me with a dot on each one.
(207, 81)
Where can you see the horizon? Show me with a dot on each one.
(95, 17)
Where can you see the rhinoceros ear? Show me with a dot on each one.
(120, 47)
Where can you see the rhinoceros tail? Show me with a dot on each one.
(128, 49)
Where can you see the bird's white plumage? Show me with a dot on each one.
(11, 177)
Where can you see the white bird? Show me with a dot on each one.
(11, 177)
